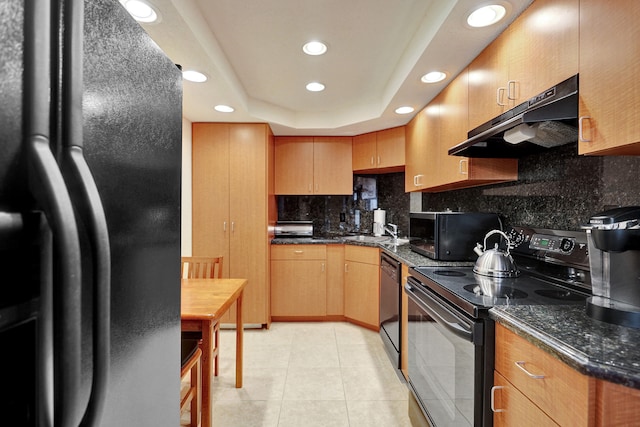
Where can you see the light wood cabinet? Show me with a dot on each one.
(298, 281)
(313, 165)
(335, 281)
(233, 205)
(379, 152)
(537, 51)
(362, 285)
(617, 405)
(549, 385)
(609, 75)
(514, 408)
(440, 126)
(422, 134)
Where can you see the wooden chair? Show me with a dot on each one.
(191, 356)
(203, 268)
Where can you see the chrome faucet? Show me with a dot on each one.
(393, 232)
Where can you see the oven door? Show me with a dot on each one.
(448, 363)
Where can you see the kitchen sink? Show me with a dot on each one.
(375, 239)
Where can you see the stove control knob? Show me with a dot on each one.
(567, 245)
(516, 237)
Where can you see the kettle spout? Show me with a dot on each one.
(478, 249)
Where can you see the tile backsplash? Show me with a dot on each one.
(555, 189)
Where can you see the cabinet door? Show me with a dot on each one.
(488, 75)
(294, 165)
(361, 293)
(298, 288)
(390, 149)
(332, 165)
(609, 75)
(364, 152)
(454, 124)
(248, 196)
(335, 280)
(514, 407)
(210, 181)
(423, 133)
(542, 48)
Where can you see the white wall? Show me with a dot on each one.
(186, 188)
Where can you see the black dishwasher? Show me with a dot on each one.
(390, 292)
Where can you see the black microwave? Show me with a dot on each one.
(450, 236)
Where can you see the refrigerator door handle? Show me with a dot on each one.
(88, 204)
(49, 190)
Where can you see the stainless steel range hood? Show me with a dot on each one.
(544, 121)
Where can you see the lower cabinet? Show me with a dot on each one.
(298, 281)
(325, 282)
(362, 285)
(545, 383)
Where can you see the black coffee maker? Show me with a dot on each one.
(613, 237)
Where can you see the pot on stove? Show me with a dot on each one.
(495, 262)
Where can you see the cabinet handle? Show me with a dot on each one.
(499, 93)
(322, 267)
(462, 171)
(298, 251)
(510, 84)
(417, 180)
(317, 187)
(493, 398)
(372, 161)
(581, 128)
(520, 364)
(346, 268)
(224, 226)
(378, 160)
(310, 188)
(233, 226)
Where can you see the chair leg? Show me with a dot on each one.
(196, 401)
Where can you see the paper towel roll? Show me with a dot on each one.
(379, 219)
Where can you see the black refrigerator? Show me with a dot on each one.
(90, 159)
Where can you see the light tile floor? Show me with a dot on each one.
(321, 374)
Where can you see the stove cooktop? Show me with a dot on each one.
(474, 293)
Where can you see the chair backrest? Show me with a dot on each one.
(201, 267)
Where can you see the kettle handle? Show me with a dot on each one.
(502, 233)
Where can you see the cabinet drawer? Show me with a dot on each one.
(298, 252)
(560, 391)
(362, 254)
(512, 408)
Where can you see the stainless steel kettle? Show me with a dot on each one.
(495, 262)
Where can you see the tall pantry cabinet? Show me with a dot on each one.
(234, 205)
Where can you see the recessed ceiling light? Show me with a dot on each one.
(194, 76)
(314, 48)
(433, 77)
(224, 108)
(404, 110)
(315, 87)
(140, 10)
(486, 15)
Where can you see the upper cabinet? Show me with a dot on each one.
(441, 125)
(313, 165)
(537, 51)
(609, 74)
(380, 152)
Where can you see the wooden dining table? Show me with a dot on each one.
(203, 302)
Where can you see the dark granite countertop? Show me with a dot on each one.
(402, 253)
(601, 350)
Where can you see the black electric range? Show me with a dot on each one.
(554, 266)
(450, 335)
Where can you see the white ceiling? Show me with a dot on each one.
(251, 50)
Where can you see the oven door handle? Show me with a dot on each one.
(442, 314)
